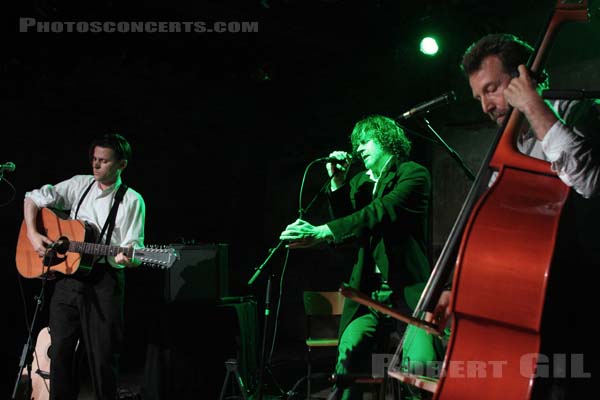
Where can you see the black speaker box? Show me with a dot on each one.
(200, 273)
(189, 343)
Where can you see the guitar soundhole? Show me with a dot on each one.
(51, 258)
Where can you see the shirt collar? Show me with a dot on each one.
(371, 174)
(112, 187)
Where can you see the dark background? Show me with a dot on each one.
(223, 125)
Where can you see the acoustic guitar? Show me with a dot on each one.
(74, 250)
(40, 367)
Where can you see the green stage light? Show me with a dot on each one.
(428, 46)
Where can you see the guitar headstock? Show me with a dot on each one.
(162, 257)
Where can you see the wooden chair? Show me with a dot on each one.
(322, 310)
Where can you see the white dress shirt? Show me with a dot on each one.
(129, 222)
(568, 149)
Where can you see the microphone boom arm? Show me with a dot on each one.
(450, 150)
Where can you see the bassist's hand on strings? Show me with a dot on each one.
(441, 313)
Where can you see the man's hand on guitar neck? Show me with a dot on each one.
(121, 258)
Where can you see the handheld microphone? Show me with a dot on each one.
(429, 105)
(9, 166)
(330, 159)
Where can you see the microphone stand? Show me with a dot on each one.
(14, 191)
(267, 313)
(26, 354)
(450, 150)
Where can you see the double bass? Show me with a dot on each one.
(500, 252)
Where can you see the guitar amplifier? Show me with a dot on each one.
(200, 273)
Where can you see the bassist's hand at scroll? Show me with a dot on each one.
(441, 312)
(521, 94)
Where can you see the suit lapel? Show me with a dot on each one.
(386, 178)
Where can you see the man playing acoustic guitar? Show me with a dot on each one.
(90, 307)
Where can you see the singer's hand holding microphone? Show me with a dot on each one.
(338, 164)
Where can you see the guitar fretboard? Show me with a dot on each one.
(99, 249)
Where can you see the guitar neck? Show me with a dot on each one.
(99, 249)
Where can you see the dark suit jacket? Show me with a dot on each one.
(390, 229)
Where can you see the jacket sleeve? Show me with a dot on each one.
(408, 197)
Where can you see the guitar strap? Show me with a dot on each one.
(83, 197)
(110, 221)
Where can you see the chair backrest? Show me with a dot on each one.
(323, 303)
(323, 311)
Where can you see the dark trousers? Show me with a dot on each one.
(88, 310)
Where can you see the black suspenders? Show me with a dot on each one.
(110, 220)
